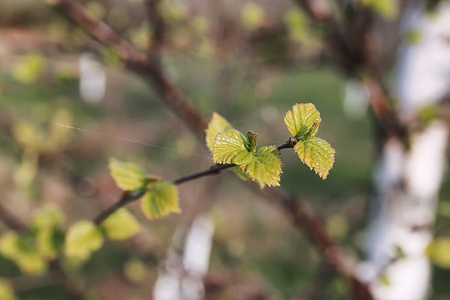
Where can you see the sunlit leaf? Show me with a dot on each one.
(265, 166)
(18, 249)
(231, 147)
(388, 9)
(27, 71)
(6, 290)
(302, 120)
(48, 217)
(160, 200)
(217, 125)
(82, 239)
(252, 15)
(120, 225)
(438, 251)
(127, 176)
(317, 154)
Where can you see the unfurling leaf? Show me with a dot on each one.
(120, 225)
(231, 147)
(129, 176)
(217, 125)
(302, 120)
(83, 238)
(317, 154)
(265, 167)
(160, 200)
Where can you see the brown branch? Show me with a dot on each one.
(136, 61)
(173, 97)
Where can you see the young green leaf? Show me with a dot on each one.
(317, 154)
(130, 176)
(160, 200)
(82, 239)
(18, 249)
(217, 125)
(231, 147)
(302, 120)
(49, 241)
(120, 225)
(6, 290)
(48, 217)
(265, 167)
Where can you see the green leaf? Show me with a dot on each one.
(18, 249)
(83, 238)
(120, 225)
(231, 147)
(438, 251)
(252, 15)
(217, 125)
(265, 167)
(160, 200)
(49, 242)
(317, 154)
(6, 290)
(29, 68)
(48, 217)
(302, 120)
(129, 176)
(387, 9)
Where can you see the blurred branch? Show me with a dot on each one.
(173, 97)
(10, 220)
(158, 27)
(355, 50)
(136, 61)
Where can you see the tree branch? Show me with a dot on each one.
(174, 98)
(136, 61)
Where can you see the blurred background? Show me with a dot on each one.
(68, 104)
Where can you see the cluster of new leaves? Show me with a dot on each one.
(263, 166)
(46, 239)
(159, 197)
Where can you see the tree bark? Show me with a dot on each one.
(408, 177)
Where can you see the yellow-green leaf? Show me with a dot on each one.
(127, 176)
(302, 120)
(6, 290)
(17, 249)
(29, 68)
(217, 125)
(120, 225)
(317, 154)
(252, 15)
(230, 147)
(438, 251)
(265, 167)
(83, 238)
(160, 200)
(48, 217)
(388, 9)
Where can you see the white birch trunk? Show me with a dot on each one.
(407, 181)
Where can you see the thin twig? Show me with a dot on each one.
(128, 197)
